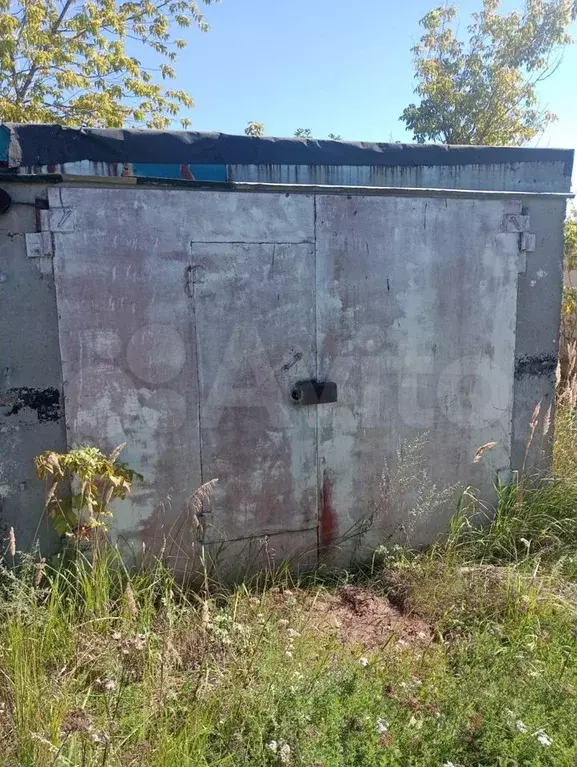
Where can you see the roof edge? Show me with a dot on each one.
(34, 144)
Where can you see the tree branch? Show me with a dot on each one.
(20, 93)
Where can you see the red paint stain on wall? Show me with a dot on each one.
(328, 518)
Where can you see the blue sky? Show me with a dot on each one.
(330, 65)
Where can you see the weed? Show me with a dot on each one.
(89, 480)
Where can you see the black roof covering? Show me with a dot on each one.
(32, 144)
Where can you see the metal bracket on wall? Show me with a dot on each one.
(39, 247)
(519, 223)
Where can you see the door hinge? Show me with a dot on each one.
(191, 278)
(519, 223)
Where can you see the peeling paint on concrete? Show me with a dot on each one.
(539, 365)
(44, 402)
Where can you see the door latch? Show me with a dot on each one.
(314, 392)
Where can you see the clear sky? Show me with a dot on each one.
(341, 66)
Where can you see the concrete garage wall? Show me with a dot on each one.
(185, 335)
(537, 334)
(32, 414)
(179, 320)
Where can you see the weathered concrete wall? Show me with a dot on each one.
(416, 322)
(537, 344)
(185, 317)
(32, 417)
(185, 335)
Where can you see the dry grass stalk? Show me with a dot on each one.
(12, 543)
(40, 568)
(131, 601)
(195, 505)
(480, 450)
(567, 387)
(532, 428)
(201, 495)
(116, 452)
(547, 421)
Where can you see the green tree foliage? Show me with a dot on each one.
(257, 129)
(72, 61)
(307, 133)
(571, 241)
(568, 326)
(483, 90)
(254, 129)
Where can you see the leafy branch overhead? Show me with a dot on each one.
(483, 90)
(75, 62)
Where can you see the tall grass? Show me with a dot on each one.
(535, 517)
(102, 667)
(476, 663)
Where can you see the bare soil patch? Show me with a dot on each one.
(356, 615)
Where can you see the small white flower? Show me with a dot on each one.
(99, 737)
(415, 722)
(288, 653)
(285, 753)
(521, 726)
(105, 685)
(543, 739)
(449, 764)
(292, 633)
(382, 726)
(272, 746)
(282, 623)
(364, 661)
(508, 712)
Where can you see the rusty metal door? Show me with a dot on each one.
(416, 324)
(254, 314)
(185, 316)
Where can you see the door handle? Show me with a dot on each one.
(314, 392)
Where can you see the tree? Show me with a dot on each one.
(307, 133)
(257, 129)
(68, 61)
(571, 241)
(568, 351)
(254, 129)
(483, 91)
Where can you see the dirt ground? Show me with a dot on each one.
(357, 616)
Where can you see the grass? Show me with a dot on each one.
(476, 666)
